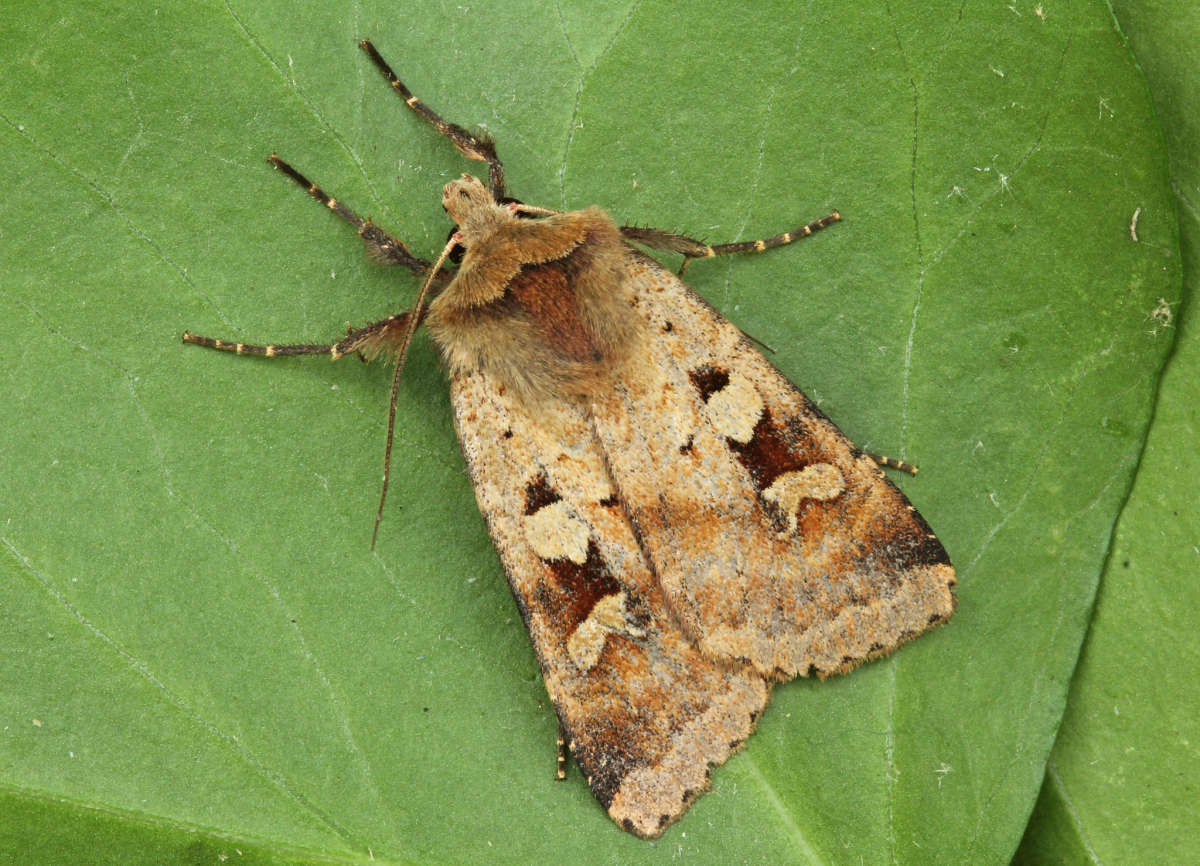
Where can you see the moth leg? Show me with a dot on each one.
(371, 340)
(560, 771)
(252, 349)
(691, 248)
(383, 247)
(480, 148)
(893, 463)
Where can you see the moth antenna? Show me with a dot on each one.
(519, 207)
(401, 357)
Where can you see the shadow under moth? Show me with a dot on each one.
(680, 525)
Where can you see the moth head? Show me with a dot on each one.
(466, 199)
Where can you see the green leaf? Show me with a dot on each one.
(203, 659)
(1122, 776)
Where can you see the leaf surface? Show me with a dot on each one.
(201, 654)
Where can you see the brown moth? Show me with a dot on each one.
(680, 525)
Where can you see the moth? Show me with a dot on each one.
(680, 525)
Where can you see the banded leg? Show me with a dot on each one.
(479, 148)
(382, 247)
(691, 248)
(560, 770)
(252, 349)
(377, 338)
(893, 463)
